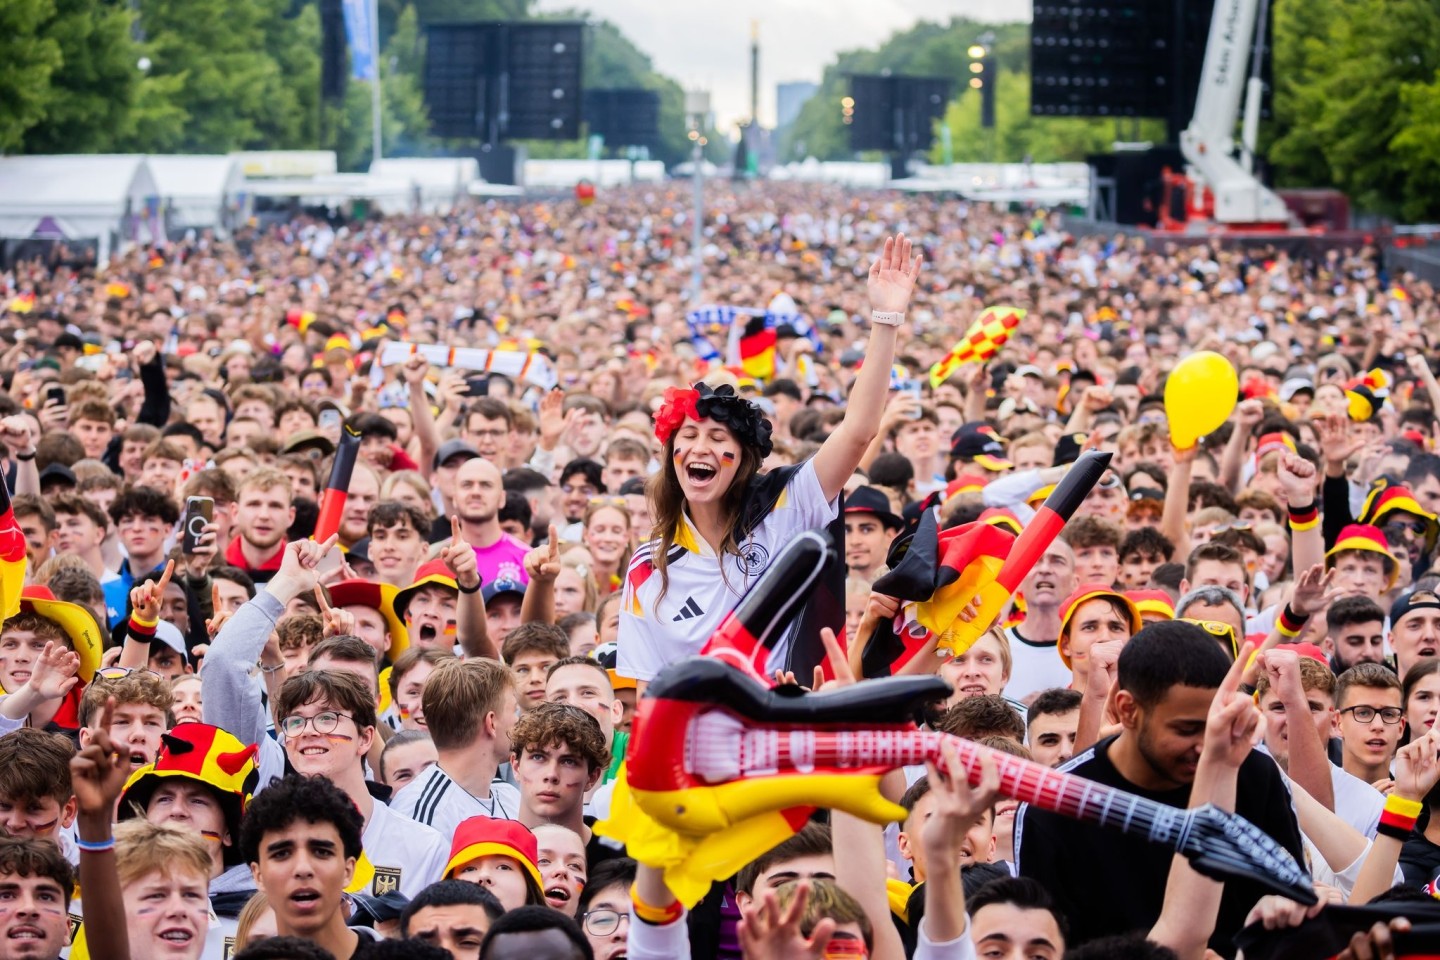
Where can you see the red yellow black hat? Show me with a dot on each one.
(376, 596)
(1368, 539)
(431, 573)
(1386, 498)
(1093, 591)
(209, 755)
(486, 836)
(77, 622)
(1152, 601)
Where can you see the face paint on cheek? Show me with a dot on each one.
(211, 835)
(727, 459)
(338, 738)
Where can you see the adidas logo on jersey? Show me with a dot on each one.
(689, 611)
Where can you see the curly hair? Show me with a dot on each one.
(560, 724)
(294, 798)
(141, 686)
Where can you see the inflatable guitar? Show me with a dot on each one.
(713, 749)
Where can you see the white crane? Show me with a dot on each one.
(1208, 143)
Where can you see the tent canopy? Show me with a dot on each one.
(198, 189)
(74, 197)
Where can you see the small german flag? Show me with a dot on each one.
(756, 347)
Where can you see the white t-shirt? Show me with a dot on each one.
(1356, 802)
(703, 588)
(436, 800)
(405, 855)
(1033, 667)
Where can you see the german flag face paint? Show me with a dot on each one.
(727, 459)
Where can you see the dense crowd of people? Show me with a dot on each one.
(237, 725)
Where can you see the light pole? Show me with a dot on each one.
(697, 107)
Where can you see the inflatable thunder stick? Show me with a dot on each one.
(332, 501)
(941, 573)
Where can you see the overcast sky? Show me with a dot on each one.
(706, 43)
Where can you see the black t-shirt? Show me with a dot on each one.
(1108, 883)
(1419, 861)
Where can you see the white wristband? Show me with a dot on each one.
(888, 317)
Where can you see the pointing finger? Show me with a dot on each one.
(165, 579)
(322, 601)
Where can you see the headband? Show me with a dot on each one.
(723, 405)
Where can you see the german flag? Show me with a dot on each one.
(752, 341)
(12, 556)
(332, 501)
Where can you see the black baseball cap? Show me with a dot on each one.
(451, 449)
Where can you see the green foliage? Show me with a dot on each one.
(242, 76)
(28, 58)
(1356, 100)
(91, 95)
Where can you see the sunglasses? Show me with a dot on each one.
(1221, 631)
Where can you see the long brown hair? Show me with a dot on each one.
(667, 505)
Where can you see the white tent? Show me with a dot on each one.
(440, 182)
(109, 198)
(200, 192)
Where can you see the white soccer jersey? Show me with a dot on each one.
(437, 801)
(703, 588)
(400, 854)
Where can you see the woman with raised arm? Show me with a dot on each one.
(718, 521)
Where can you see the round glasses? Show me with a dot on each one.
(324, 722)
(1364, 714)
(601, 923)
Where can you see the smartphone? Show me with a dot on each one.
(198, 512)
(477, 385)
(329, 417)
(912, 387)
(55, 395)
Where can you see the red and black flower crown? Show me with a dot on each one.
(721, 404)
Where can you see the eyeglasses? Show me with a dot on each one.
(324, 722)
(490, 434)
(1388, 715)
(1222, 631)
(602, 923)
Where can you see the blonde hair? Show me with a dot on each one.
(250, 915)
(142, 848)
(827, 899)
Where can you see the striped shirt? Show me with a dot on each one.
(436, 800)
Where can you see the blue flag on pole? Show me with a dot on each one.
(360, 33)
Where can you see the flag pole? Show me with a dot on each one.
(375, 112)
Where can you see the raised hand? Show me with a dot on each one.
(1235, 725)
(15, 434)
(839, 665)
(97, 774)
(338, 623)
(552, 418)
(1249, 413)
(206, 546)
(459, 557)
(300, 561)
(1314, 591)
(893, 276)
(145, 600)
(414, 370)
(1282, 667)
(53, 674)
(958, 804)
(144, 353)
(1337, 441)
(770, 933)
(542, 564)
(1297, 479)
(1417, 766)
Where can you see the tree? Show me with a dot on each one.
(28, 59)
(1360, 82)
(238, 77)
(93, 92)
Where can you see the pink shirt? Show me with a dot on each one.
(502, 560)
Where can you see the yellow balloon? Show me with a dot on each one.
(1200, 395)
